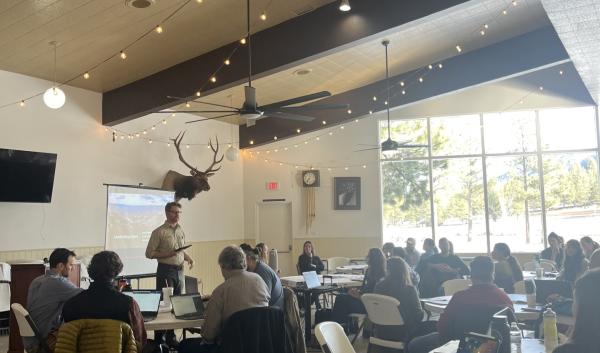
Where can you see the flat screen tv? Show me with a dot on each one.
(26, 176)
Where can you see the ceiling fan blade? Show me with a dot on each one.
(289, 116)
(314, 107)
(199, 111)
(202, 102)
(412, 146)
(368, 149)
(214, 117)
(368, 145)
(296, 100)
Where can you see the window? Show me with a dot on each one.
(566, 162)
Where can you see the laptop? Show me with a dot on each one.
(148, 301)
(188, 306)
(312, 281)
(545, 288)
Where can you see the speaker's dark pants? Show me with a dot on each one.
(173, 275)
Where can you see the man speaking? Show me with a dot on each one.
(165, 245)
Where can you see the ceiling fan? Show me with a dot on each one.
(252, 112)
(389, 145)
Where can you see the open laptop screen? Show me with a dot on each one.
(147, 301)
(187, 304)
(311, 279)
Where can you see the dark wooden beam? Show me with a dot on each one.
(526, 53)
(299, 39)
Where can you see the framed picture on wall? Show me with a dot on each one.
(346, 193)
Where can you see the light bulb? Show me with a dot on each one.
(251, 142)
(123, 55)
(421, 79)
(22, 104)
(150, 141)
(187, 104)
(199, 1)
(213, 79)
(345, 6)
(374, 98)
(560, 72)
(86, 75)
(403, 92)
(159, 29)
(349, 111)
(54, 98)
(402, 83)
(164, 122)
(324, 122)
(370, 112)
(198, 93)
(504, 12)
(458, 48)
(430, 67)
(227, 62)
(298, 131)
(274, 137)
(482, 32)
(263, 16)
(440, 65)
(243, 41)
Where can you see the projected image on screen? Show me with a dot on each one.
(132, 214)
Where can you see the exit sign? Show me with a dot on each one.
(272, 185)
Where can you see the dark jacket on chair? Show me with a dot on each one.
(255, 330)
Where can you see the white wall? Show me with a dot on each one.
(87, 158)
(337, 151)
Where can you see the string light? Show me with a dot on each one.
(150, 141)
(187, 104)
(514, 3)
(486, 26)
(263, 16)
(145, 132)
(421, 79)
(123, 55)
(324, 122)
(458, 48)
(243, 41)
(298, 131)
(440, 65)
(22, 104)
(370, 112)
(403, 92)
(349, 111)
(86, 75)
(172, 115)
(560, 72)
(482, 32)
(153, 128)
(227, 62)
(251, 142)
(158, 29)
(187, 146)
(374, 98)
(198, 93)
(402, 83)
(213, 79)
(164, 122)
(504, 12)
(430, 67)
(275, 138)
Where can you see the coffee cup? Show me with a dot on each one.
(531, 300)
(167, 292)
(539, 272)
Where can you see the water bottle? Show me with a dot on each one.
(515, 338)
(550, 330)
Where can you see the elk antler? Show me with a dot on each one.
(177, 142)
(210, 171)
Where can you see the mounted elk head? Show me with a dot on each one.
(189, 186)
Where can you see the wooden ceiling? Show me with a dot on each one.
(88, 31)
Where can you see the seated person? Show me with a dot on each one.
(429, 249)
(589, 246)
(575, 262)
(254, 264)
(412, 254)
(459, 315)
(263, 252)
(308, 261)
(397, 284)
(103, 301)
(439, 268)
(345, 304)
(46, 296)
(241, 290)
(554, 252)
(584, 338)
(388, 249)
(414, 276)
(508, 270)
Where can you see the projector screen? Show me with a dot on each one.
(131, 215)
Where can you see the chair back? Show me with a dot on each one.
(520, 287)
(382, 309)
(255, 330)
(332, 338)
(529, 266)
(335, 262)
(455, 285)
(24, 321)
(548, 265)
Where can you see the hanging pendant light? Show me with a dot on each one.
(54, 97)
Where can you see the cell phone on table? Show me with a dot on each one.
(183, 247)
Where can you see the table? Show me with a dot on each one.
(527, 346)
(532, 275)
(522, 311)
(338, 281)
(167, 321)
(352, 268)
